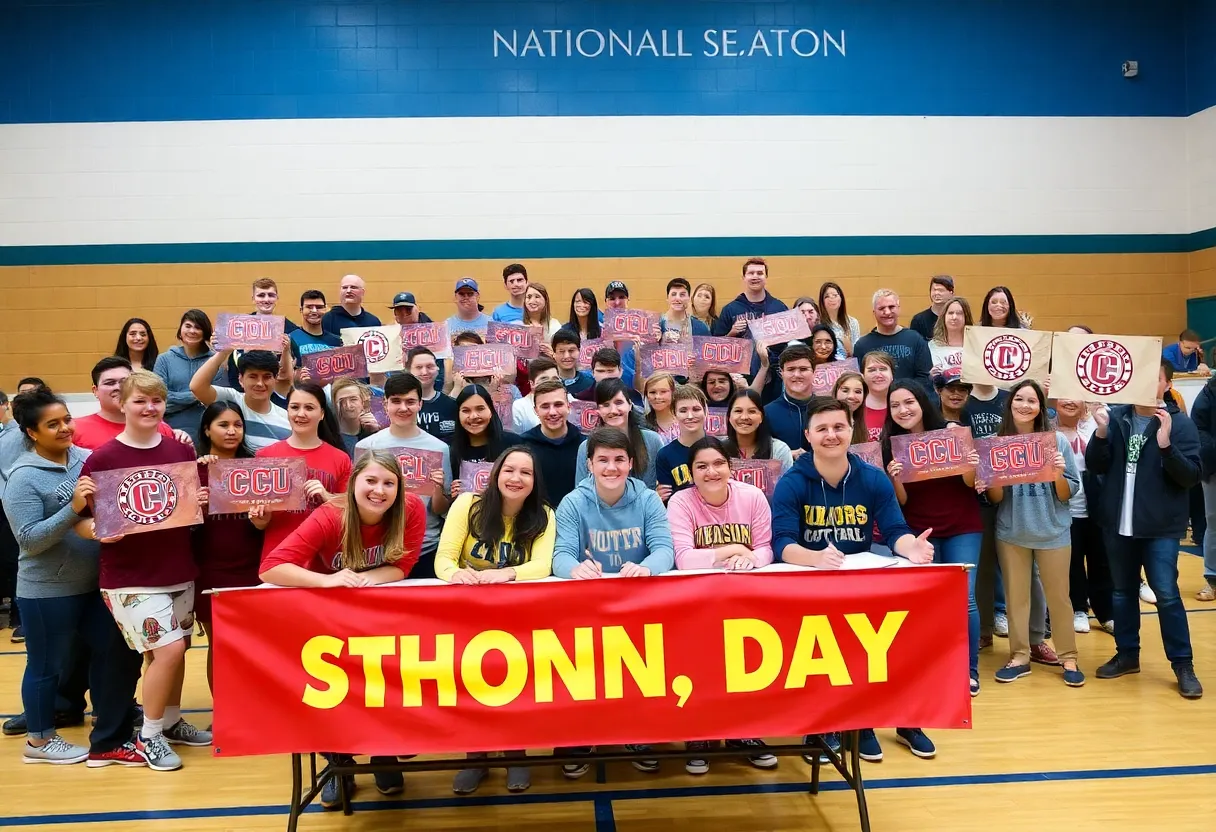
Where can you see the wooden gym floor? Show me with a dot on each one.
(1127, 754)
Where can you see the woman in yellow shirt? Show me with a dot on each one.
(504, 534)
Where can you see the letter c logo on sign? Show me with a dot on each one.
(147, 497)
(375, 345)
(1104, 367)
(1007, 357)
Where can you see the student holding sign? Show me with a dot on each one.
(671, 465)
(1033, 526)
(56, 588)
(228, 547)
(1150, 457)
(403, 402)
(315, 437)
(946, 506)
(753, 302)
(827, 507)
(617, 411)
(720, 523)
(148, 579)
(505, 534)
(658, 390)
(748, 433)
(479, 435)
(786, 415)
(261, 374)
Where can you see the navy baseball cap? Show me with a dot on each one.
(616, 286)
(952, 376)
(403, 299)
(467, 283)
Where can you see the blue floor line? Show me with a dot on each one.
(602, 800)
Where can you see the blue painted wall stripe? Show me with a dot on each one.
(605, 247)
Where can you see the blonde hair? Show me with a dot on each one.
(354, 554)
(146, 382)
(878, 356)
(939, 329)
(365, 392)
(688, 392)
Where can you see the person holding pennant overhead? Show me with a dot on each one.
(826, 508)
(947, 505)
(147, 580)
(1033, 527)
(1150, 458)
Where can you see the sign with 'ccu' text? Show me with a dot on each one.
(933, 454)
(730, 355)
(341, 362)
(1009, 460)
(237, 485)
(249, 332)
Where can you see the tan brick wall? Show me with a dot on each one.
(56, 321)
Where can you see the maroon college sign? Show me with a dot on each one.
(144, 499)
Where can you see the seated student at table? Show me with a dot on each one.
(504, 534)
(612, 401)
(319, 553)
(1186, 356)
(671, 465)
(720, 523)
(826, 508)
(611, 523)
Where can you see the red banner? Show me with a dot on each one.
(416, 669)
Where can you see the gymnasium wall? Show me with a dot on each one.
(159, 156)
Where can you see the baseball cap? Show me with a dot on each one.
(954, 375)
(616, 286)
(467, 283)
(403, 299)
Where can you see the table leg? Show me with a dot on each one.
(297, 777)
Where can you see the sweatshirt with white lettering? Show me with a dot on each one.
(698, 528)
(634, 530)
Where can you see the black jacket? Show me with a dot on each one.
(1164, 476)
(556, 458)
(1203, 414)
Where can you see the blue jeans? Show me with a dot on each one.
(964, 548)
(53, 627)
(1159, 558)
(1209, 540)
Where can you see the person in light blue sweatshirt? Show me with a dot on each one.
(58, 593)
(183, 411)
(611, 522)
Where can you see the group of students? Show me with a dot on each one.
(645, 492)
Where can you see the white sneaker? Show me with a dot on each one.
(1080, 622)
(1000, 625)
(1146, 593)
(1108, 627)
(57, 751)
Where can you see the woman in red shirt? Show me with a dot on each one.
(316, 437)
(878, 369)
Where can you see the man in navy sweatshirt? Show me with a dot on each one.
(1150, 458)
(786, 415)
(910, 351)
(754, 302)
(825, 508)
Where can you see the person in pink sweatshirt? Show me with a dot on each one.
(720, 523)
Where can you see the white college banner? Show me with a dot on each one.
(381, 345)
(994, 355)
(1115, 369)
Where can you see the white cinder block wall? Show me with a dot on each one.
(481, 178)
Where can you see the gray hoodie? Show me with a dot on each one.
(54, 561)
(634, 530)
(182, 410)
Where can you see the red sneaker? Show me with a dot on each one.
(124, 755)
(1043, 654)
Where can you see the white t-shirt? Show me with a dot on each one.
(1135, 444)
(261, 429)
(944, 357)
(1078, 438)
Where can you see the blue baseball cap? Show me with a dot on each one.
(467, 283)
(403, 299)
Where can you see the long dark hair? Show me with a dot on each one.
(593, 314)
(461, 446)
(810, 342)
(607, 390)
(327, 428)
(486, 522)
(1012, 321)
(150, 352)
(705, 387)
(764, 432)
(213, 412)
(931, 417)
(861, 434)
(843, 321)
(1041, 423)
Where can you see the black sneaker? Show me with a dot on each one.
(573, 771)
(1118, 666)
(388, 782)
(14, 727)
(831, 740)
(647, 766)
(1188, 684)
(18, 635)
(756, 755)
(868, 746)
